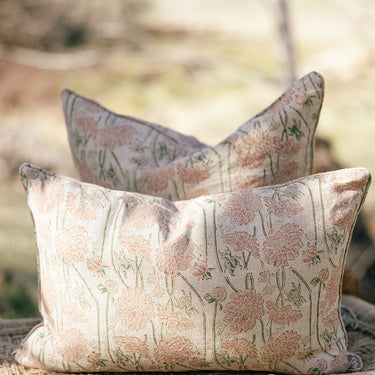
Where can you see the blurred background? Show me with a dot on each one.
(200, 67)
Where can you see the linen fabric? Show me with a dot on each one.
(126, 153)
(249, 280)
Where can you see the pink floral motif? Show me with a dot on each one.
(350, 180)
(301, 97)
(72, 311)
(282, 315)
(145, 215)
(134, 309)
(192, 175)
(243, 310)
(282, 208)
(287, 173)
(175, 350)
(94, 263)
(157, 179)
(286, 149)
(87, 125)
(48, 195)
(174, 321)
(176, 256)
(284, 100)
(242, 241)
(136, 244)
(241, 207)
(113, 136)
(283, 244)
(331, 319)
(219, 293)
(241, 346)
(78, 208)
(200, 268)
(282, 347)
(198, 193)
(71, 344)
(132, 344)
(71, 244)
(341, 363)
(333, 286)
(253, 148)
(247, 182)
(343, 219)
(48, 296)
(311, 255)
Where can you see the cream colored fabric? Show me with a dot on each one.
(126, 153)
(244, 280)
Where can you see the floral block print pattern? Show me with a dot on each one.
(248, 280)
(125, 153)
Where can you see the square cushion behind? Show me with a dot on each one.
(122, 152)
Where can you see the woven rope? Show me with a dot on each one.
(361, 335)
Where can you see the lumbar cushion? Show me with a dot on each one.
(248, 280)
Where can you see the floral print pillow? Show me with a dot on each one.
(126, 153)
(248, 280)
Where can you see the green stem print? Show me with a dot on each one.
(310, 301)
(220, 168)
(176, 190)
(96, 302)
(169, 288)
(229, 166)
(105, 229)
(107, 328)
(125, 176)
(154, 151)
(313, 209)
(112, 244)
(102, 155)
(323, 214)
(215, 237)
(203, 312)
(214, 336)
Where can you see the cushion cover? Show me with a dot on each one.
(248, 280)
(122, 152)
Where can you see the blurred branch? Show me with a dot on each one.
(284, 29)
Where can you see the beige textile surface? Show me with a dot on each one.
(358, 315)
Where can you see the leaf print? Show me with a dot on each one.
(243, 310)
(253, 148)
(241, 208)
(311, 255)
(282, 315)
(283, 244)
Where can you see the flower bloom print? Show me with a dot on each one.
(175, 350)
(343, 219)
(242, 207)
(114, 136)
(282, 315)
(87, 125)
(71, 244)
(287, 173)
(285, 99)
(192, 175)
(282, 347)
(286, 149)
(242, 241)
(253, 148)
(157, 179)
(131, 344)
(79, 208)
(176, 256)
(174, 320)
(283, 244)
(134, 308)
(55, 190)
(71, 344)
(243, 310)
(282, 208)
(136, 245)
(241, 346)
